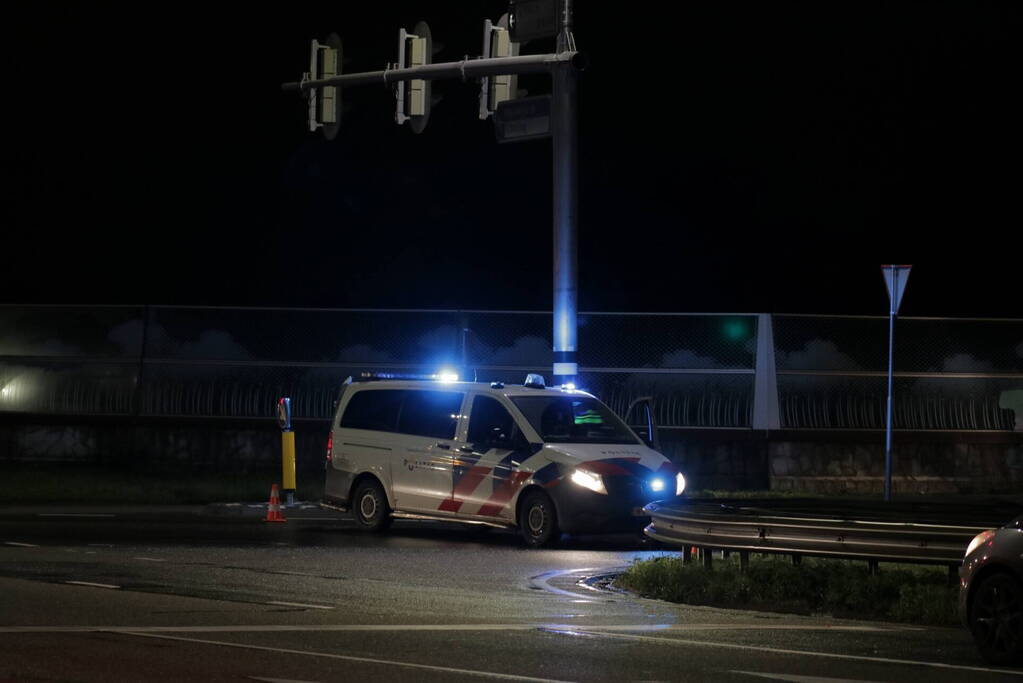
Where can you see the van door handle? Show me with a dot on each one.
(445, 446)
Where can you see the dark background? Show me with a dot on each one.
(733, 157)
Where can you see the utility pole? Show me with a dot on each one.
(566, 194)
(552, 116)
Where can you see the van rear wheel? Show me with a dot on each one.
(538, 522)
(369, 507)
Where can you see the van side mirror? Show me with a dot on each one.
(643, 433)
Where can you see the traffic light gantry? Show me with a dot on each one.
(496, 71)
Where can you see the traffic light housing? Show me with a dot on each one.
(414, 49)
(534, 19)
(497, 43)
(325, 103)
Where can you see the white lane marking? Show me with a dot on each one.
(72, 514)
(542, 581)
(270, 628)
(298, 604)
(257, 628)
(573, 630)
(760, 627)
(278, 680)
(793, 678)
(92, 585)
(20, 545)
(149, 559)
(317, 519)
(350, 658)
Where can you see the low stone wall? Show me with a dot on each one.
(848, 462)
(718, 460)
(961, 466)
(726, 460)
(178, 447)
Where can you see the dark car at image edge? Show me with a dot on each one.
(991, 593)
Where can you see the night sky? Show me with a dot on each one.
(763, 157)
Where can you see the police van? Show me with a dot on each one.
(541, 459)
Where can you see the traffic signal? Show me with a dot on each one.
(325, 103)
(414, 49)
(497, 43)
(534, 19)
(736, 329)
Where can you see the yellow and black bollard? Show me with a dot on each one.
(287, 448)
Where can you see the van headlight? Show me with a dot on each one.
(979, 540)
(588, 480)
(680, 484)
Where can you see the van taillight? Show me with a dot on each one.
(330, 448)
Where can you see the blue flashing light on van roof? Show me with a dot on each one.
(534, 381)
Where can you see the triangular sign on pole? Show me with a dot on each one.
(895, 279)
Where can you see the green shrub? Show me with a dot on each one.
(842, 588)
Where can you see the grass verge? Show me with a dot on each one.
(842, 588)
(83, 486)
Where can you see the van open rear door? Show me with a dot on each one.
(640, 417)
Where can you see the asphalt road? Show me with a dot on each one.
(178, 593)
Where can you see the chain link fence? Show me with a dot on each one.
(951, 374)
(200, 362)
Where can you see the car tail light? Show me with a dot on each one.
(330, 448)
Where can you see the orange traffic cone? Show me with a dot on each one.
(273, 512)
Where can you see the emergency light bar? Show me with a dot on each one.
(442, 376)
(533, 381)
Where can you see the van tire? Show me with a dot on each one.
(369, 507)
(538, 522)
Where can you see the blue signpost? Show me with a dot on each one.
(895, 279)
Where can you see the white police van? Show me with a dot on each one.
(544, 460)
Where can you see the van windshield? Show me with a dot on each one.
(573, 419)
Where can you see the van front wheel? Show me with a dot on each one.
(369, 507)
(537, 520)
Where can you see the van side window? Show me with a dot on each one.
(430, 413)
(373, 409)
(492, 426)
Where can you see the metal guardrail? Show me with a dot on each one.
(931, 533)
